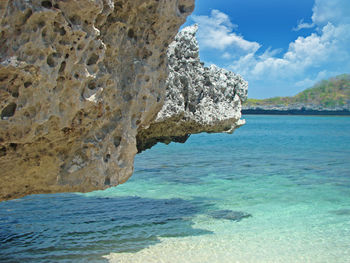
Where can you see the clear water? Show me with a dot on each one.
(278, 190)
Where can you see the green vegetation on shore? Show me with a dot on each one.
(334, 92)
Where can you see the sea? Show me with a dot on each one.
(277, 190)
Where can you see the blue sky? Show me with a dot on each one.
(280, 46)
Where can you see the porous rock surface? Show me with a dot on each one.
(198, 99)
(78, 78)
(83, 88)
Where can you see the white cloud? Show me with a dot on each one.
(215, 32)
(302, 25)
(226, 55)
(309, 82)
(334, 11)
(305, 83)
(307, 59)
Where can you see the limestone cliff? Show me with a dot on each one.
(198, 99)
(83, 85)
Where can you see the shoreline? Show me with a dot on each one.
(296, 112)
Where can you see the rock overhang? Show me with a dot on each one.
(85, 85)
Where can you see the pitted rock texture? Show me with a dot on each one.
(78, 80)
(198, 99)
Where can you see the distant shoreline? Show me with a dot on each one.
(296, 112)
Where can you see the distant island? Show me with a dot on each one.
(328, 97)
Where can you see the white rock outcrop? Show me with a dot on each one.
(198, 99)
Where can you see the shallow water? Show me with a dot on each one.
(278, 190)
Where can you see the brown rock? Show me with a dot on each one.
(78, 79)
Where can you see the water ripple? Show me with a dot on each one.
(89, 227)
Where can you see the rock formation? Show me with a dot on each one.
(198, 99)
(83, 85)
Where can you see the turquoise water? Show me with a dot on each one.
(277, 190)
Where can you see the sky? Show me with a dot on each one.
(280, 47)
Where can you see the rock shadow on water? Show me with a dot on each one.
(341, 212)
(229, 215)
(70, 227)
(185, 179)
(170, 175)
